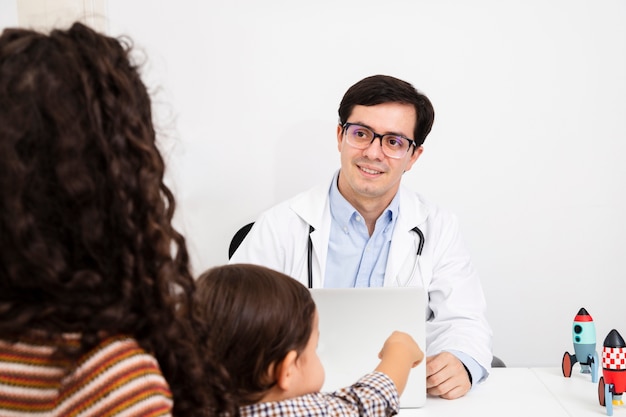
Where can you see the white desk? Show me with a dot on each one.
(577, 394)
(527, 392)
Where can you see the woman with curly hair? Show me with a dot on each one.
(95, 284)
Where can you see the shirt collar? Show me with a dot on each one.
(342, 211)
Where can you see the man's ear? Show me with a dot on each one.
(285, 371)
(339, 137)
(414, 157)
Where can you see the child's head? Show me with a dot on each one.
(262, 326)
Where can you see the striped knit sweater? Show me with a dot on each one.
(116, 378)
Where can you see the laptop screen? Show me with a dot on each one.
(354, 324)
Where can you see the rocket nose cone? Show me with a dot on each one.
(614, 340)
(583, 315)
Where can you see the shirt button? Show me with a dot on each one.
(358, 218)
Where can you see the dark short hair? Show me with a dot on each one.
(254, 316)
(379, 89)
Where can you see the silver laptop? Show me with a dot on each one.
(354, 324)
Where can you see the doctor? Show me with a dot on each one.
(365, 229)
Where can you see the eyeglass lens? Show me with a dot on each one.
(361, 137)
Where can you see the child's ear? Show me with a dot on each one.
(285, 371)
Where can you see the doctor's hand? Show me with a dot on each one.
(446, 377)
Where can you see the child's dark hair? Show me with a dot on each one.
(254, 316)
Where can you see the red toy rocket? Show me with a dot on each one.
(613, 381)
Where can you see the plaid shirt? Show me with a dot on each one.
(375, 394)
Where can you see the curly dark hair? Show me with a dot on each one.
(86, 240)
(253, 317)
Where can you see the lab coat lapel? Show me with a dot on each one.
(313, 208)
(403, 250)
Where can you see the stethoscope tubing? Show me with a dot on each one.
(416, 229)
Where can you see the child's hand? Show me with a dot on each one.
(399, 354)
(399, 345)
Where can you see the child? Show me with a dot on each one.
(264, 330)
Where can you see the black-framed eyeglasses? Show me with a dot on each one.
(361, 137)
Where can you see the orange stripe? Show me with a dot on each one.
(158, 411)
(111, 358)
(27, 403)
(156, 391)
(31, 381)
(26, 406)
(128, 348)
(24, 358)
(136, 372)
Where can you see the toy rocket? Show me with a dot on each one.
(613, 381)
(584, 336)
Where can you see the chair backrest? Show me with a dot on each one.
(496, 362)
(238, 238)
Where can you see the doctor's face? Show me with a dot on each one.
(368, 175)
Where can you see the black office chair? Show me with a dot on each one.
(496, 362)
(238, 238)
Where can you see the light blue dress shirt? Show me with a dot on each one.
(356, 259)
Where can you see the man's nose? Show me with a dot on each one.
(375, 148)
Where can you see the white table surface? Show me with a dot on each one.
(528, 392)
(577, 394)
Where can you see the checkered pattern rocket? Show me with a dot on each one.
(614, 352)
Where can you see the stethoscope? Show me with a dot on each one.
(420, 246)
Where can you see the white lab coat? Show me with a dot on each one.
(456, 308)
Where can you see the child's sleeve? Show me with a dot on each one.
(374, 394)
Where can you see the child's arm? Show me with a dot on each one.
(399, 354)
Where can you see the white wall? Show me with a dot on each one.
(528, 146)
(8, 13)
(44, 14)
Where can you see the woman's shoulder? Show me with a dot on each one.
(117, 374)
(119, 349)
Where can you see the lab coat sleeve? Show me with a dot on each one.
(456, 301)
